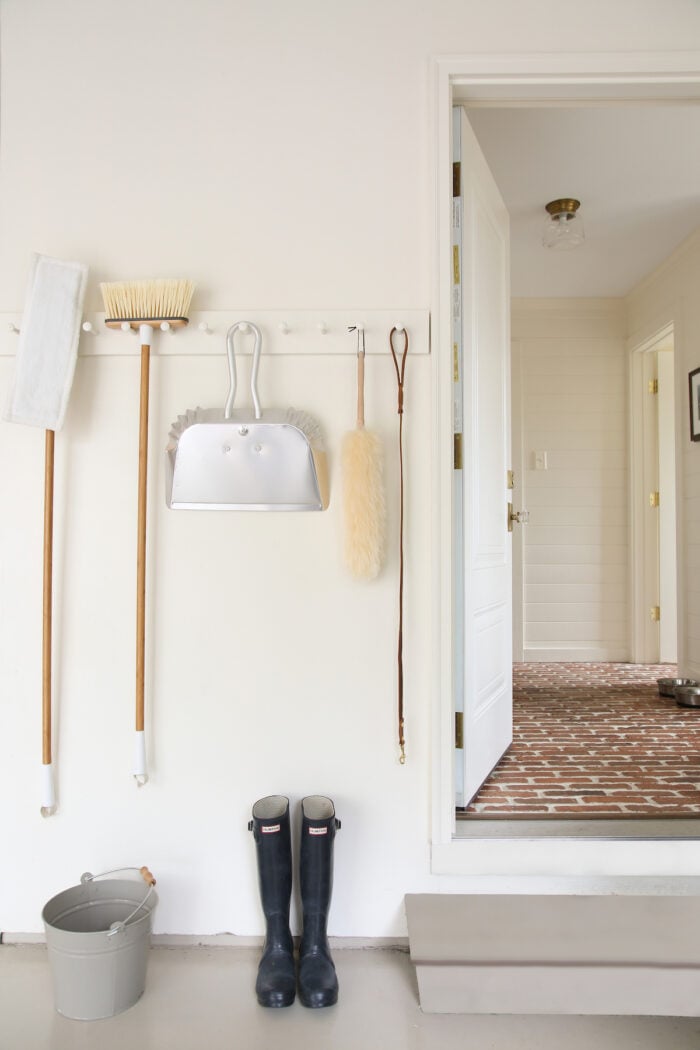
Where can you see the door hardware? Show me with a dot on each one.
(519, 517)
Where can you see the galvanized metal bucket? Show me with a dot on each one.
(98, 935)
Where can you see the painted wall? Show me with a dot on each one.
(280, 156)
(570, 379)
(670, 293)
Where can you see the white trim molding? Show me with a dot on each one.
(544, 79)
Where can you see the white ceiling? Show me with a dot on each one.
(634, 167)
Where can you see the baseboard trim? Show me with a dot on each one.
(575, 656)
(229, 940)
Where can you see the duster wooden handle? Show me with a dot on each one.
(141, 539)
(47, 600)
(361, 389)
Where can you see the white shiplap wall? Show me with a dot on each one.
(571, 384)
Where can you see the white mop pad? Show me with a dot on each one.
(48, 343)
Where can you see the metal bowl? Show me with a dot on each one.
(668, 686)
(688, 695)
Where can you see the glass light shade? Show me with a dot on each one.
(562, 231)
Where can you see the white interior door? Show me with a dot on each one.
(486, 624)
(668, 627)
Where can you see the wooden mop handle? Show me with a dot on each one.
(141, 539)
(47, 600)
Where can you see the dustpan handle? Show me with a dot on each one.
(243, 326)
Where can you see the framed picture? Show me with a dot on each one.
(694, 391)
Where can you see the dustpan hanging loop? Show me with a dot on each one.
(243, 326)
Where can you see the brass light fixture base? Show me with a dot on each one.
(564, 206)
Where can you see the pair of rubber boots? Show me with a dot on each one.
(277, 979)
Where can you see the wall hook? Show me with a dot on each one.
(204, 327)
(88, 326)
(399, 328)
(13, 328)
(283, 327)
(323, 328)
(165, 326)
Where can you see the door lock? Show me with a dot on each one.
(518, 517)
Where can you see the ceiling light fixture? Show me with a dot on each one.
(563, 228)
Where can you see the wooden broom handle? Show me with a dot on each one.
(141, 539)
(48, 601)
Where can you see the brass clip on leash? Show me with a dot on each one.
(400, 373)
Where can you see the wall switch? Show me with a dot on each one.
(540, 460)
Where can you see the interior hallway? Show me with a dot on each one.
(204, 997)
(595, 740)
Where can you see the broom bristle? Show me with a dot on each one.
(311, 429)
(363, 503)
(147, 300)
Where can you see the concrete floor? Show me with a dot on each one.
(204, 997)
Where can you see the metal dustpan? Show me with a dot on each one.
(233, 459)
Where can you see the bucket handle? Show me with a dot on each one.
(146, 875)
(242, 326)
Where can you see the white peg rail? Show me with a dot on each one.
(283, 332)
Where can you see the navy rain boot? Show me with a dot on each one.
(276, 984)
(318, 983)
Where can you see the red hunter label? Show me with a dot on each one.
(268, 829)
(318, 831)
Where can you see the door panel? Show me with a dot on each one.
(485, 539)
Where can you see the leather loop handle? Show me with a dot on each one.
(400, 376)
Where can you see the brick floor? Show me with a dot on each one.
(594, 740)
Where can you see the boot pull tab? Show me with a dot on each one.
(338, 825)
(250, 825)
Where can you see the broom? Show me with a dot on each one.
(363, 488)
(144, 305)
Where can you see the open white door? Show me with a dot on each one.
(485, 661)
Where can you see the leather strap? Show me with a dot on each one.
(400, 374)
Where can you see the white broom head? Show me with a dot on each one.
(364, 505)
(159, 300)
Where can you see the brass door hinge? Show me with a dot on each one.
(510, 479)
(653, 499)
(458, 451)
(655, 613)
(459, 730)
(456, 179)
(653, 386)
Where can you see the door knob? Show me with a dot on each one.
(519, 517)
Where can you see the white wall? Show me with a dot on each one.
(571, 360)
(279, 155)
(670, 295)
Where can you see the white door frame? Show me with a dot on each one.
(518, 77)
(644, 561)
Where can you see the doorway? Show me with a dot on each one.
(571, 448)
(551, 77)
(653, 592)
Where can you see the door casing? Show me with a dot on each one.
(595, 78)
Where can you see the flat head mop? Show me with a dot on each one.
(44, 368)
(144, 305)
(235, 459)
(364, 507)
